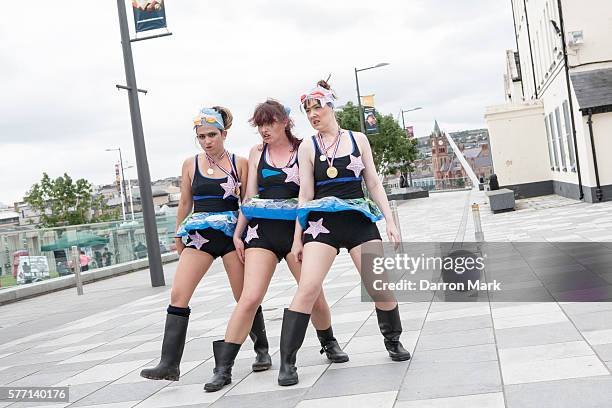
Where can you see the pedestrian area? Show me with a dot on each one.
(464, 354)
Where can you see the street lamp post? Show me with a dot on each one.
(156, 270)
(361, 119)
(406, 111)
(404, 127)
(130, 191)
(122, 188)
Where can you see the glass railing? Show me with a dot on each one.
(28, 256)
(431, 184)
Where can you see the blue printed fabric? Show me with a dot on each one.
(333, 204)
(223, 221)
(270, 208)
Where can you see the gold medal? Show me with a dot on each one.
(332, 172)
(322, 157)
(237, 191)
(210, 171)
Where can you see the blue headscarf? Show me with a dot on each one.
(209, 117)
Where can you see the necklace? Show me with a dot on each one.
(324, 149)
(331, 172)
(288, 161)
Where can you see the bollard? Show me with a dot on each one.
(395, 216)
(76, 262)
(479, 235)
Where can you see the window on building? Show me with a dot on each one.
(549, 35)
(568, 136)
(560, 137)
(544, 47)
(551, 153)
(540, 64)
(553, 136)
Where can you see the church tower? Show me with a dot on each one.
(440, 159)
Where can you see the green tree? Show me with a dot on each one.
(391, 149)
(63, 202)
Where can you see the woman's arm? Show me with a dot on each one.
(306, 161)
(249, 186)
(186, 201)
(375, 188)
(247, 190)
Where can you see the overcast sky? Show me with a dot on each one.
(60, 61)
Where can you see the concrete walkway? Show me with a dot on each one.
(465, 354)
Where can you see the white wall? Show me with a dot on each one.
(602, 131)
(518, 143)
(594, 18)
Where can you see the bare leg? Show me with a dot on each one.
(317, 258)
(259, 268)
(387, 313)
(192, 266)
(321, 315)
(235, 273)
(321, 320)
(356, 256)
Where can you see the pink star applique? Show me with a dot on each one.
(197, 240)
(293, 174)
(356, 165)
(251, 233)
(316, 228)
(230, 187)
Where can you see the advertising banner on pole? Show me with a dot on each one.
(371, 125)
(410, 131)
(367, 100)
(149, 14)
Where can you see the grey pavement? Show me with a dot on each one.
(480, 354)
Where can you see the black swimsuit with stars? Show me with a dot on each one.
(274, 235)
(208, 195)
(342, 229)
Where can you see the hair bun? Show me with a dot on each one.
(226, 115)
(323, 84)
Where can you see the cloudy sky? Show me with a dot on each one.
(60, 62)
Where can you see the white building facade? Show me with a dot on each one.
(561, 76)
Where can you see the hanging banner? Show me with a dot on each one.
(367, 100)
(410, 131)
(149, 14)
(371, 126)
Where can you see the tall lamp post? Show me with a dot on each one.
(129, 185)
(357, 70)
(406, 111)
(123, 190)
(156, 270)
(404, 127)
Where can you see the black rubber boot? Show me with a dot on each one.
(330, 346)
(292, 337)
(225, 354)
(391, 328)
(260, 342)
(172, 350)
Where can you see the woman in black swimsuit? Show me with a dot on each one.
(334, 214)
(269, 214)
(210, 190)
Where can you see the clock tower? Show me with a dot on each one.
(440, 159)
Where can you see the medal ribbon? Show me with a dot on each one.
(337, 142)
(212, 162)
